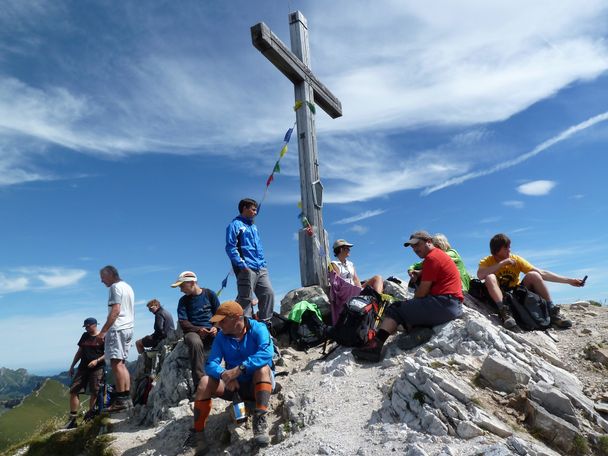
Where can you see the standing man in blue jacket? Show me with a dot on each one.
(244, 248)
(240, 361)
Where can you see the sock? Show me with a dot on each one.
(73, 414)
(262, 396)
(382, 335)
(202, 409)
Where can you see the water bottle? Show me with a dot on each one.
(238, 409)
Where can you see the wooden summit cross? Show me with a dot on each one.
(295, 64)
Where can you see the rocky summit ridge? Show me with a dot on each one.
(474, 388)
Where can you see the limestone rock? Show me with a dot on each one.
(553, 429)
(468, 430)
(396, 290)
(553, 400)
(314, 294)
(502, 374)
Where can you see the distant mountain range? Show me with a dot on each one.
(18, 383)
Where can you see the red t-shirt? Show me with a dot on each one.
(441, 270)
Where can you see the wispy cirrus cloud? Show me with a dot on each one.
(359, 217)
(536, 188)
(567, 133)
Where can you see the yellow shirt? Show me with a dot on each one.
(508, 276)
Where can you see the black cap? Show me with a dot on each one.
(89, 321)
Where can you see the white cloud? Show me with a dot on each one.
(39, 278)
(359, 229)
(514, 204)
(359, 217)
(12, 284)
(490, 219)
(59, 278)
(536, 188)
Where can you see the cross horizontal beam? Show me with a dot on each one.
(291, 66)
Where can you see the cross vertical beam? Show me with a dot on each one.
(295, 64)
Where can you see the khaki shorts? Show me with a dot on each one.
(117, 344)
(86, 377)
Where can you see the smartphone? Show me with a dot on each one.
(584, 280)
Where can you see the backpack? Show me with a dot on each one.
(529, 310)
(310, 332)
(357, 322)
(478, 290)
(306, 327)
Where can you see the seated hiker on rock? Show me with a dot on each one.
(194, 312)
(441, 241)
(344, 281)
(163, 327)
(438, 298)
(90, 370)
(501, 271)
(245, 347)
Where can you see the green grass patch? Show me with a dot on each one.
(83, 440)
(580, 446)
(603, 445)
(21, 422)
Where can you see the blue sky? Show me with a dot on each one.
(129, 131)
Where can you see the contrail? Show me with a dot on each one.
(537, 150)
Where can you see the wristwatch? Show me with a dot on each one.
(242, 368)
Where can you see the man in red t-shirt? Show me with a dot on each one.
(438, 298)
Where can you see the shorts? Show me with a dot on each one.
(86, 377)
(430, 310)
(117, 344)
(246, 390)
(149, 342)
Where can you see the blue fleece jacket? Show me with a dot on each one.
(243, 245)
(254, 351)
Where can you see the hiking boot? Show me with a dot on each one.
(120, 404)
(507, 318)
(198, 441)
(558, 320)
(371, 351)
(260, 429)
(415, 337)
(89, 416)
(71, 424)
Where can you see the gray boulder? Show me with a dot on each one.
(552, 428)
(314, 295)
(502, 374)
(553, 400)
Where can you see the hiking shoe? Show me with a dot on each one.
(558, 320)
(415, 337)
(260, 429)
(89, 416)
(371, 351)
(507, 318)
(71, 424)
(198, 441)
(120, 404)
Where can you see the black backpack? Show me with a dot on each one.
(357, 322)
(309, 333)
(529, 310)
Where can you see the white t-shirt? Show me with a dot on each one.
(122, 293)
(347, 270)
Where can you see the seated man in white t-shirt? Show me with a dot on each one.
(345, 283)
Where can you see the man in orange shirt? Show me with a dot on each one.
(501, 272)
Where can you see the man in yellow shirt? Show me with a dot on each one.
(501, 272)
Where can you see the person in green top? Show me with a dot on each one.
(439, 240)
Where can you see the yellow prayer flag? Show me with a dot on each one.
(298, 105)
(283, 151)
